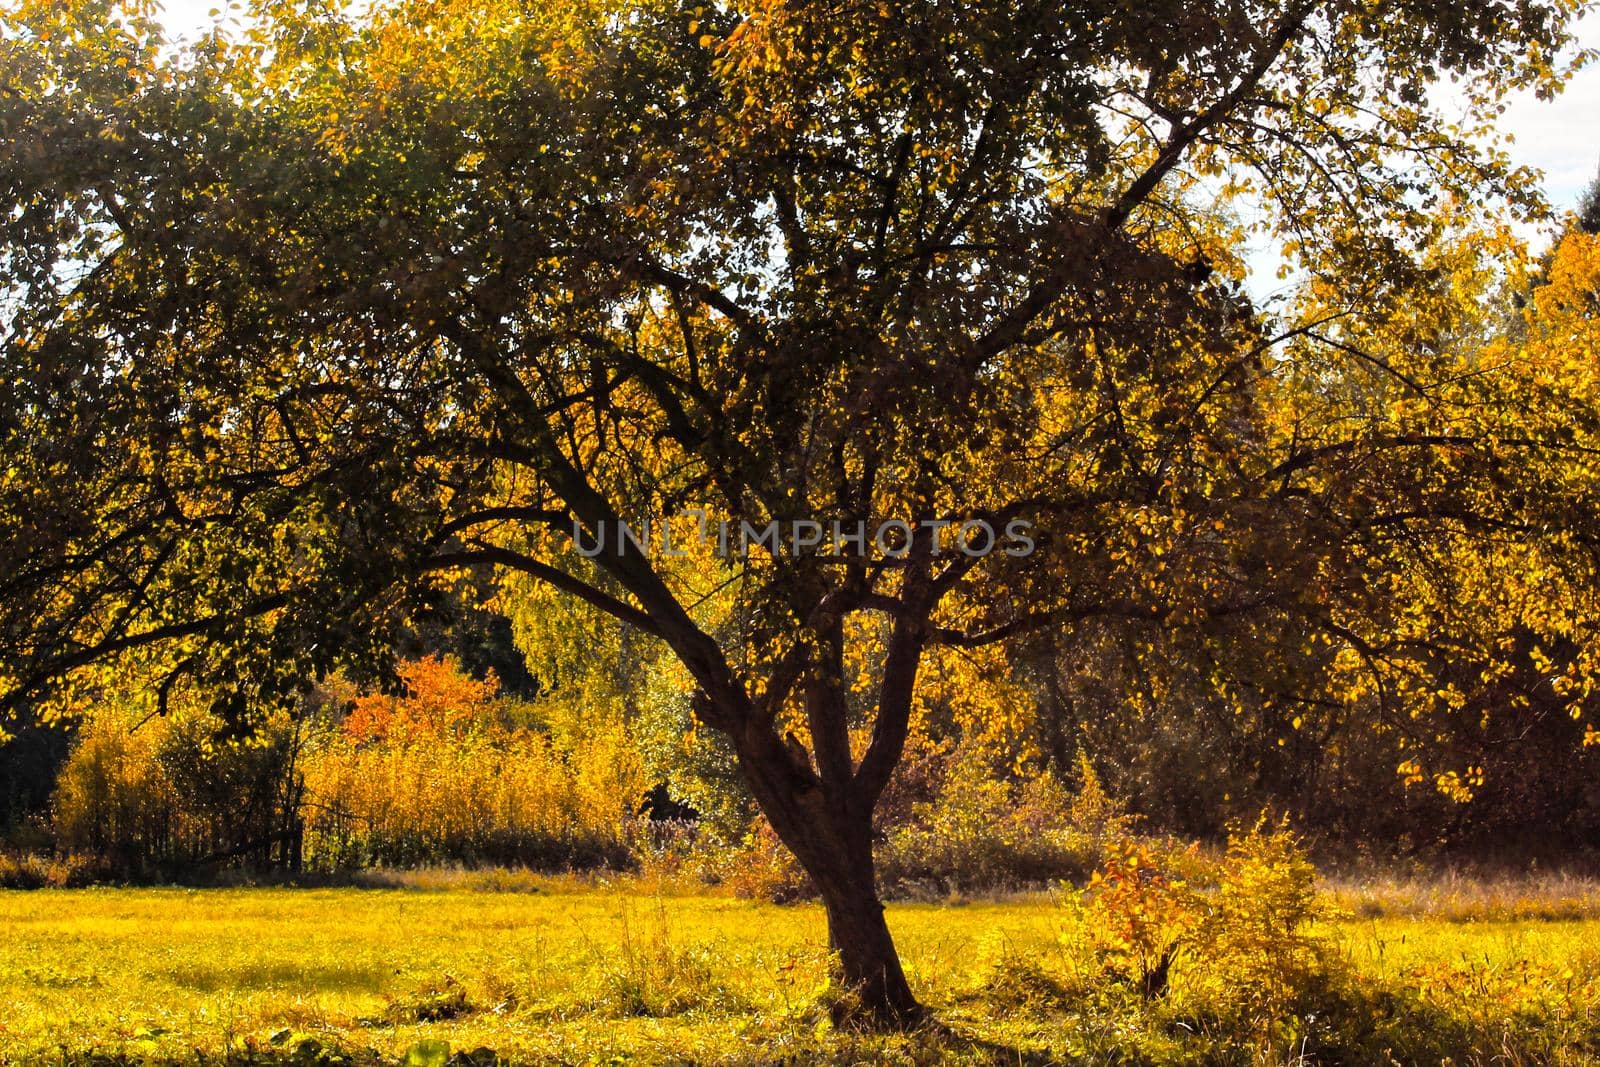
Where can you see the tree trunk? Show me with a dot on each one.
(869, 967)
(831, 836)
(823, 811)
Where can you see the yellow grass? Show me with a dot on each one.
(593, 974)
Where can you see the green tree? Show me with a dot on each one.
(1589, 208)
(305, 319)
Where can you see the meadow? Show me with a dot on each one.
(509, 968)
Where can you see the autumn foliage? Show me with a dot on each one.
(438, 701)
(332, 311)
(445, 773)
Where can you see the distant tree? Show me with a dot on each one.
(301, 322)
(1589, 208)
(456, 623)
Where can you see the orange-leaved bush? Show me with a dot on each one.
(439, 699)
(1237, 932)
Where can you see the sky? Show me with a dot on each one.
(1559, 137)
(1562, 137)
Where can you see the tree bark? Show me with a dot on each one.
(878, 994)
(828, 827)
(823, 811)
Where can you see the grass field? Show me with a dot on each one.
(585, 974)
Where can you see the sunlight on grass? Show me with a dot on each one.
(583, 976)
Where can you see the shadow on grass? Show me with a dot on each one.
(286, 975)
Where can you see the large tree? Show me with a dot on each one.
(307, 315)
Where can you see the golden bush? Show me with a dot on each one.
(439, 776)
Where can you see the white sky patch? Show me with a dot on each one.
(1561, 137)
(185, 18)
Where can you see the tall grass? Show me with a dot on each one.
(482, 796)
(447, 773)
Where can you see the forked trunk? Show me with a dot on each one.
(823, 812)
(832, 839)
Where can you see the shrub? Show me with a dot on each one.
(438, 776)
(1234, 936)
(762, 868)
(149, 796)
(478, 798)
(1258, 949)
(114, 798)
(439, 700)
(444, 774)
(37, 871)
(1140, 915)
(984, 832)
